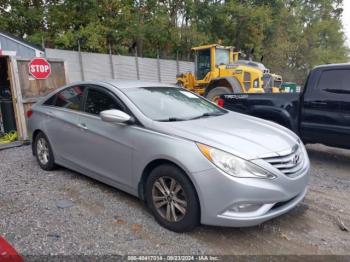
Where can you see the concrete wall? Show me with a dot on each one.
(93, 66)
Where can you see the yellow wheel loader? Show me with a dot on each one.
(218, 71)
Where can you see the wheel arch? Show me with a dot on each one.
(151, 166)
(230, 82)
(35, 134)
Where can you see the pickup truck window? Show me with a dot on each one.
(337, 81)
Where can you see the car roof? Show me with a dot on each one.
(118, 84)
(333, 66)
(124, 84)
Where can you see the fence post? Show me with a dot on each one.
(158, 67)
(81, 62)
(111, 61)
(177, 63)
(137, 65)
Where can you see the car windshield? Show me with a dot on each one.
(171, 104)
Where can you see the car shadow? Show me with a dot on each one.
(201, 230)
(329, 155)
(131, 199)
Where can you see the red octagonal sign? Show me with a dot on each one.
(39, 68)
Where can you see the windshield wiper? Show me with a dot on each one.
(207, 115)
(172, 119)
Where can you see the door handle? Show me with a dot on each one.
(50, 113)
(319, 103)
(83, 126)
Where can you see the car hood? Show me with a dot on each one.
(244, 136)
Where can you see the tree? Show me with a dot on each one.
(292, 35)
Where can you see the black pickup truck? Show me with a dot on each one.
(319, 114)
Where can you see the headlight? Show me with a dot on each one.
(256, 83)
(233, 165)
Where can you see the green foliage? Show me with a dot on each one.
(292, 35)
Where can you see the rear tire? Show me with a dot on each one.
(216, 92)
(172, 198)
(43, 152)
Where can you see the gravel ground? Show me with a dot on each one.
(103, 220)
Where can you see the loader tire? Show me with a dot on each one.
(216, 92)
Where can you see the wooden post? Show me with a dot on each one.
(17, 100)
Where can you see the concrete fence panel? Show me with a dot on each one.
(186, 67)
(125, 67)
(168, 71)
(148, 69)
(94, 66)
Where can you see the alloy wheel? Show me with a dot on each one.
(169, 199)
(42, 150)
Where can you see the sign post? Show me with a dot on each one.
(39, 68)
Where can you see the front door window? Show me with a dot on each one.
(98, 101)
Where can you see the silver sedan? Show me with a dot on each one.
(189, 160)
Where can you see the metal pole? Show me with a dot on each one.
(158, 67)
(177, 63)
(42, 43)
(137, 65)
(81, 62)
(111, 61)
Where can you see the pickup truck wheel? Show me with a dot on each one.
(215, 93)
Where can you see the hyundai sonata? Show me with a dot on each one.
(188, 159)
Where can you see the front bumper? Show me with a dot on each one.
(219, 194)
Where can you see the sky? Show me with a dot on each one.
(346, 20)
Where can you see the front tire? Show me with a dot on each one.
(43, 152)
(216, 92)
(172, 198)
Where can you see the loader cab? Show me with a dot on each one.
(202, 63)
(210, 57)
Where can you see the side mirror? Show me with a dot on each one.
(116, 116)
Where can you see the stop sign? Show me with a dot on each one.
(39, 68)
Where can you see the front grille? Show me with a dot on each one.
(289, 164)
(246, 77)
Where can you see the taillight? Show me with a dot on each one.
(221, 102)
(29, 113)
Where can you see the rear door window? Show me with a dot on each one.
(51, 101)
(70, 98)
(335, 81)
(100, 100)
